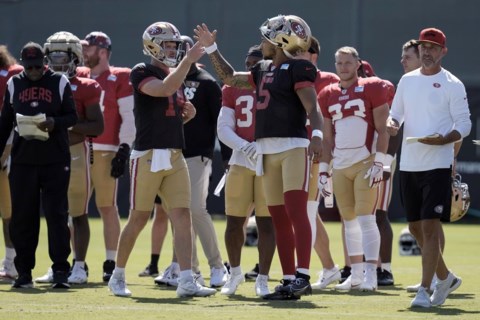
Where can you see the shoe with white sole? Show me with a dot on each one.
(46, 278)
(8, 270)
(261, 285)
(347, 285)
(415, 287)
(78, 275)
(327, 277)
(218, 277)
(170, 276)
(232, 284)
(443, 288)
(422, 299)
(194, 289)
(118, 286)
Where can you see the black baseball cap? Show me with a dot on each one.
(32, 54)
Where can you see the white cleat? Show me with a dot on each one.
(422, 299)
(232, 284)
(415, 287)
(46, 278)
(443, 288)
(218, 277)
(347, 285)
(369, 281)
(78, 276)
(119, 287)
(169, 277)
(261, 285)
(193, 289)
(199, 278)
(327, 277)
(8, 270)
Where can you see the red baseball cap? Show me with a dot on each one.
(99, 39)
(432, 35)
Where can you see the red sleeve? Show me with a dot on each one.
(124, 85)
(93, 92)
(227, 97)
(322, 99)
(378, 92)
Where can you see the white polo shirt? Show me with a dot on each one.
(427, 105)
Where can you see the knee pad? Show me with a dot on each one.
(353, 237)
(370, 236)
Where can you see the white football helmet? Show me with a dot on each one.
(153, 42)
(460, 199)
(291, 33)
(408, 244)
(64, 52)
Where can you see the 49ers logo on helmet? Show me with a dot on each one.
(299, 30)
(155, 30)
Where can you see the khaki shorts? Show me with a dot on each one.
(79, 190)
(354, 196)
(103, 183)
(5, 201)
(243, 192)
(173, 186)
(285, 171)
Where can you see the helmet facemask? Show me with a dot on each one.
(62, 62)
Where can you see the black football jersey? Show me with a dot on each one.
(158, 120)
(280, 112)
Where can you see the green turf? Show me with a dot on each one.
(148, 301)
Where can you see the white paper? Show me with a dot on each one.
(415, 139)
(328, 200)
(27, 126)
(477, 142)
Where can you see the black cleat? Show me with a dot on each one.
(252, 274)
(108, 267)
(345, 273)
(298, 287)
(384, 277)
(60, 280)
(23, 281)
(150, 271)
(280, 295)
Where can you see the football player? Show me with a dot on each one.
(244, 190)
(64, 54)
(8, 68)
(355, 112)
(112, 147)
(285, 97)
(157, 163)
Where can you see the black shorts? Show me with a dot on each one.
(426, 194)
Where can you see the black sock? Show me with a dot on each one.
(154, 260)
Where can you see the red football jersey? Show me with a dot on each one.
(86, 92)
(244, 103)
(115, 84)
(6, 74)
(351, 113)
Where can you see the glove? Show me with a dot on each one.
(375, 173)
(250, 150)
(323, 180)
(120, 160)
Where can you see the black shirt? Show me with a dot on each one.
(158, 120)
(202, 90)
(50, 95)
(280, 112)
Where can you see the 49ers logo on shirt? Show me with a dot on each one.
(35, 93)
(355, 107)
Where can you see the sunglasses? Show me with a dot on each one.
(36, 67)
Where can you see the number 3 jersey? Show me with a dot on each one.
(351, 113)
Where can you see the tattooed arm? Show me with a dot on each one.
(224, 70)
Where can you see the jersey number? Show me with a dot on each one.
(263, 94)
(336, 109)
(246, 103)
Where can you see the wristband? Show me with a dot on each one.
(380, 157)
(323, 167)
(211, 49)
(317, 133)
(388, 160)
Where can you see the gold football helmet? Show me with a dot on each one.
(460, 199)
(154, 37)
(291, 33)
(64, 52)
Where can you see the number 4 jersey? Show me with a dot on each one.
(351, 113)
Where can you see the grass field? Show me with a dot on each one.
(93, 301)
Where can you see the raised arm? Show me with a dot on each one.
(224, 70)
